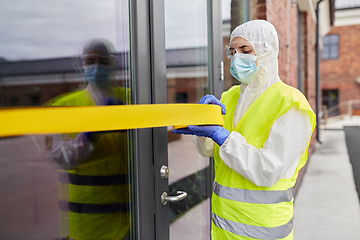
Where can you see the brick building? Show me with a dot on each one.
(340, 72)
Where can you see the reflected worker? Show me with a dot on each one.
(263, 144)
(94, 188)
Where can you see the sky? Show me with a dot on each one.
(38, 29)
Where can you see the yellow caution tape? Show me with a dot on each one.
(52, 120)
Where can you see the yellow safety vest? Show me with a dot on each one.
(94, 197)
(241, 209)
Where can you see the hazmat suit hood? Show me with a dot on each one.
(263, 38)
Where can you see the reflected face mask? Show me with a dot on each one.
(243, 67)
(97, 74)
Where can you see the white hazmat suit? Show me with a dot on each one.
(290, 133)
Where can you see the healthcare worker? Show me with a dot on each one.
(94, 188)
(263, 144)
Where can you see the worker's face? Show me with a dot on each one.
(96, 56)
(241, 45)
(97, 68)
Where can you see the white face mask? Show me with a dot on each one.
(243, 67)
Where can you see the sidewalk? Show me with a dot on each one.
(327, 204)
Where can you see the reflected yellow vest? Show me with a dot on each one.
(94, 203)
(241, 209)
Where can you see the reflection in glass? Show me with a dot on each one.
(66, 186)
(94, 175)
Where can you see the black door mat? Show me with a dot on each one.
(352, 136)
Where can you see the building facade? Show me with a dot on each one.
(340, 73)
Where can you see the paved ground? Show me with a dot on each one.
(29, 191)
(327, 204)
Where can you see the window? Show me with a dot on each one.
(35, 100)
(330, 98)
(331, 47)
(14, 101)
(181, 97)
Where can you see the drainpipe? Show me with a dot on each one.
(317, 66)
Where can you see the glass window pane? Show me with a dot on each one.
(325, 53)
(334, 52)
(334, 39)
(66, 185)
(187, 81)
(326, 39)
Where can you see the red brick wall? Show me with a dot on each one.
(283, 15)
(309, 66)
(309, 59)
(277, 15)
(260, 12)
(341, 73)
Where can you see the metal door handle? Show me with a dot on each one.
(165, 198)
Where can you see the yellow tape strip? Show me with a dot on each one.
(52, 120)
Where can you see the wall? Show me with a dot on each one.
(309, 60)
(283, 14)
(342, 73)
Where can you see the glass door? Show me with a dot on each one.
(189, 55)
(105, 184)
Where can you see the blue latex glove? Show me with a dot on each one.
(93, 136)
(216, 133)
(113, 101)
(210, 99)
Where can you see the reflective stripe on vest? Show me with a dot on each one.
(75, 179)
(85, 180)
(94, 208)
(253, 196)
(255, 232)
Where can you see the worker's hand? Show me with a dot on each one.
(92, 136)
(216, 133)
(210, 99)
(113, 101)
